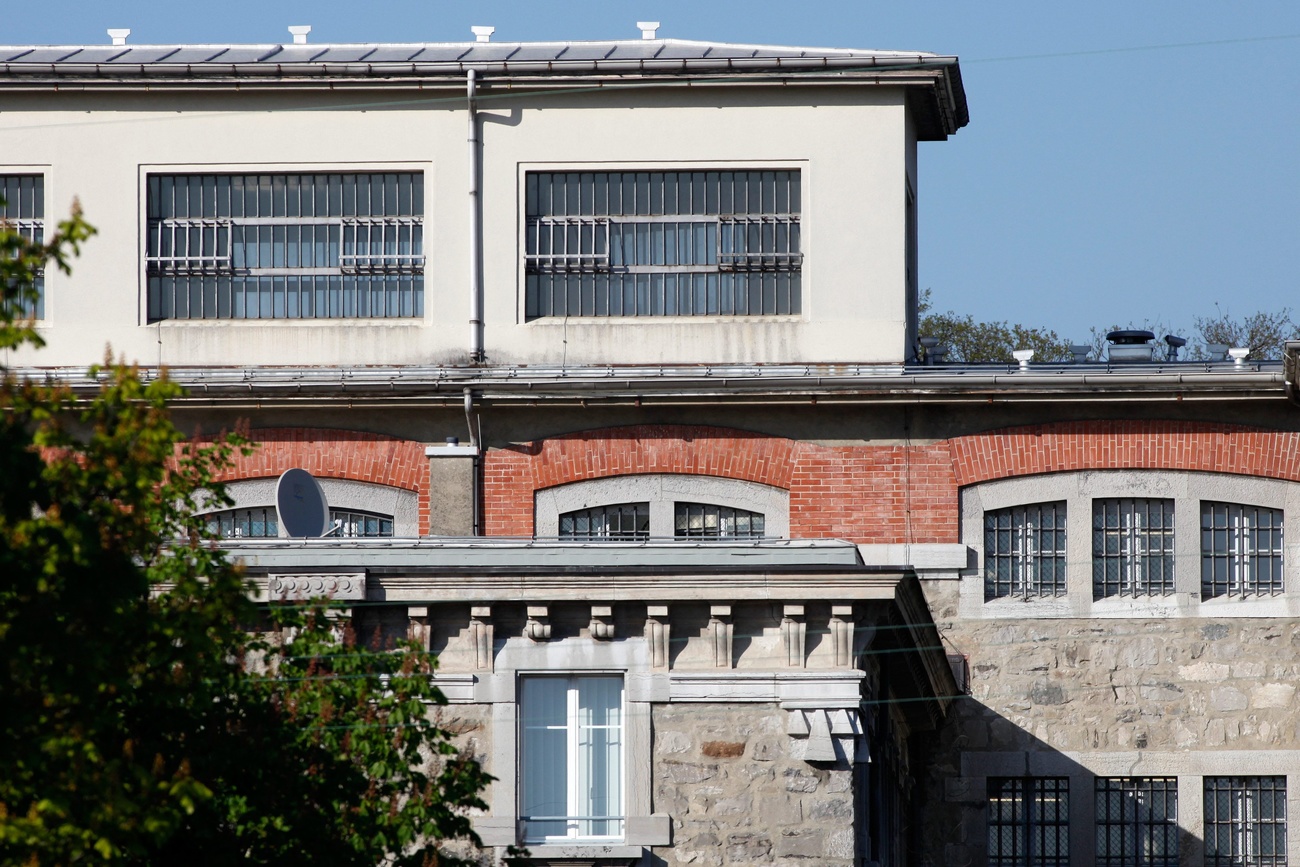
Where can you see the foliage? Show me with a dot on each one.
(972, 342)
(142, 722)
(1265, 334)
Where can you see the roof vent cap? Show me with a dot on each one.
(1023, 357)
(648, 28)
(300, 32)
(1238, 354)
(118, 35)
(482, 34)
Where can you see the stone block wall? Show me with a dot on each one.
(736, 796)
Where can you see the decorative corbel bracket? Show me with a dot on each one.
(794, 635)
(657, 634)
(602, 622)
(722, 630)
(538, 627)
(815, 731)
(481, 634)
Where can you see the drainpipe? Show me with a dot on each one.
(475, 227)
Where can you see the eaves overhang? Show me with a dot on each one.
(413, 385)
(934, 80)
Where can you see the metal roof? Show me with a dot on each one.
(934, 81)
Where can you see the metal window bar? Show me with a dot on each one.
(1132, 547)
(352, 523)
(1028, 822)
(704, 521)
(286, 246)
(1137, 821)
(708, 243)
(1241, 550)
(22, 211)
(1024, 551)
(623, 521)
(1245, 822)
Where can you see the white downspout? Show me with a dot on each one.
(476, 355)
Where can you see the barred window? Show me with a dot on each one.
(1132, 547)
(623, 521)
(1245, 821)
(1024, 551)
(1137, 822)
(1029, 821)
(703, 243)
(22, 211)
(262, 522)
(704, 521)
(285, 246)
(1241, 550)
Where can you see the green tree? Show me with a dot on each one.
(150, 713)
(1264, 334)
(970, 341)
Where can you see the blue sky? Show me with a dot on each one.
(1094, 185)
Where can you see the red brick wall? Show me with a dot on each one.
(1066, 446)
(337, 454)
(886, 493)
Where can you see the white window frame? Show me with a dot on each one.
(344, 495)
(574, 748)
(663, 491)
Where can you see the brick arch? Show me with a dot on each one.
(1168, 445)
(336, 454)
(511, 476)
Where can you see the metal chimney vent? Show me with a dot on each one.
(648, 28)
(300, 32)
(483, 34)
(118, 36)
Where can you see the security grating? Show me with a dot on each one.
(263, 522)
(1241, 550)
(1245, 821)
(288, 246)
(1132, 547)
(707, 243)
(22, 211)
(607, 523)
(1024, 551)
(1029, 821)
(1137, 821)
(704, 521)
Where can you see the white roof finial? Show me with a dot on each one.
(483, 34)
(300, 32)
(118, 36)
(648, 28)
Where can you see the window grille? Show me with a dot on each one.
(290, 246)
(1245, 822)
(1241, 550)
(1024, 551)
(1132, 547)
(706, 243)
(1029, 821)
(22, 211)
(603, 523)
(704, 521)
(571, 758)
(262, 522)
(1137, 822)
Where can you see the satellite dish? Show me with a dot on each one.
(300, 504)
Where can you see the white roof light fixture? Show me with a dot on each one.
(482, 34)
(648, 28)
(300, 32)
(118, 35)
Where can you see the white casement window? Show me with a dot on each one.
(1024, 551)
(1132, 547)
(262, 522)
(571, 775)
(1241, 550)
(22, 210)
(654, 243)
(285, 246)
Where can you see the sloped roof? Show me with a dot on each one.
(934, 80)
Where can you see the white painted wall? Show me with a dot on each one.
(852, 146)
